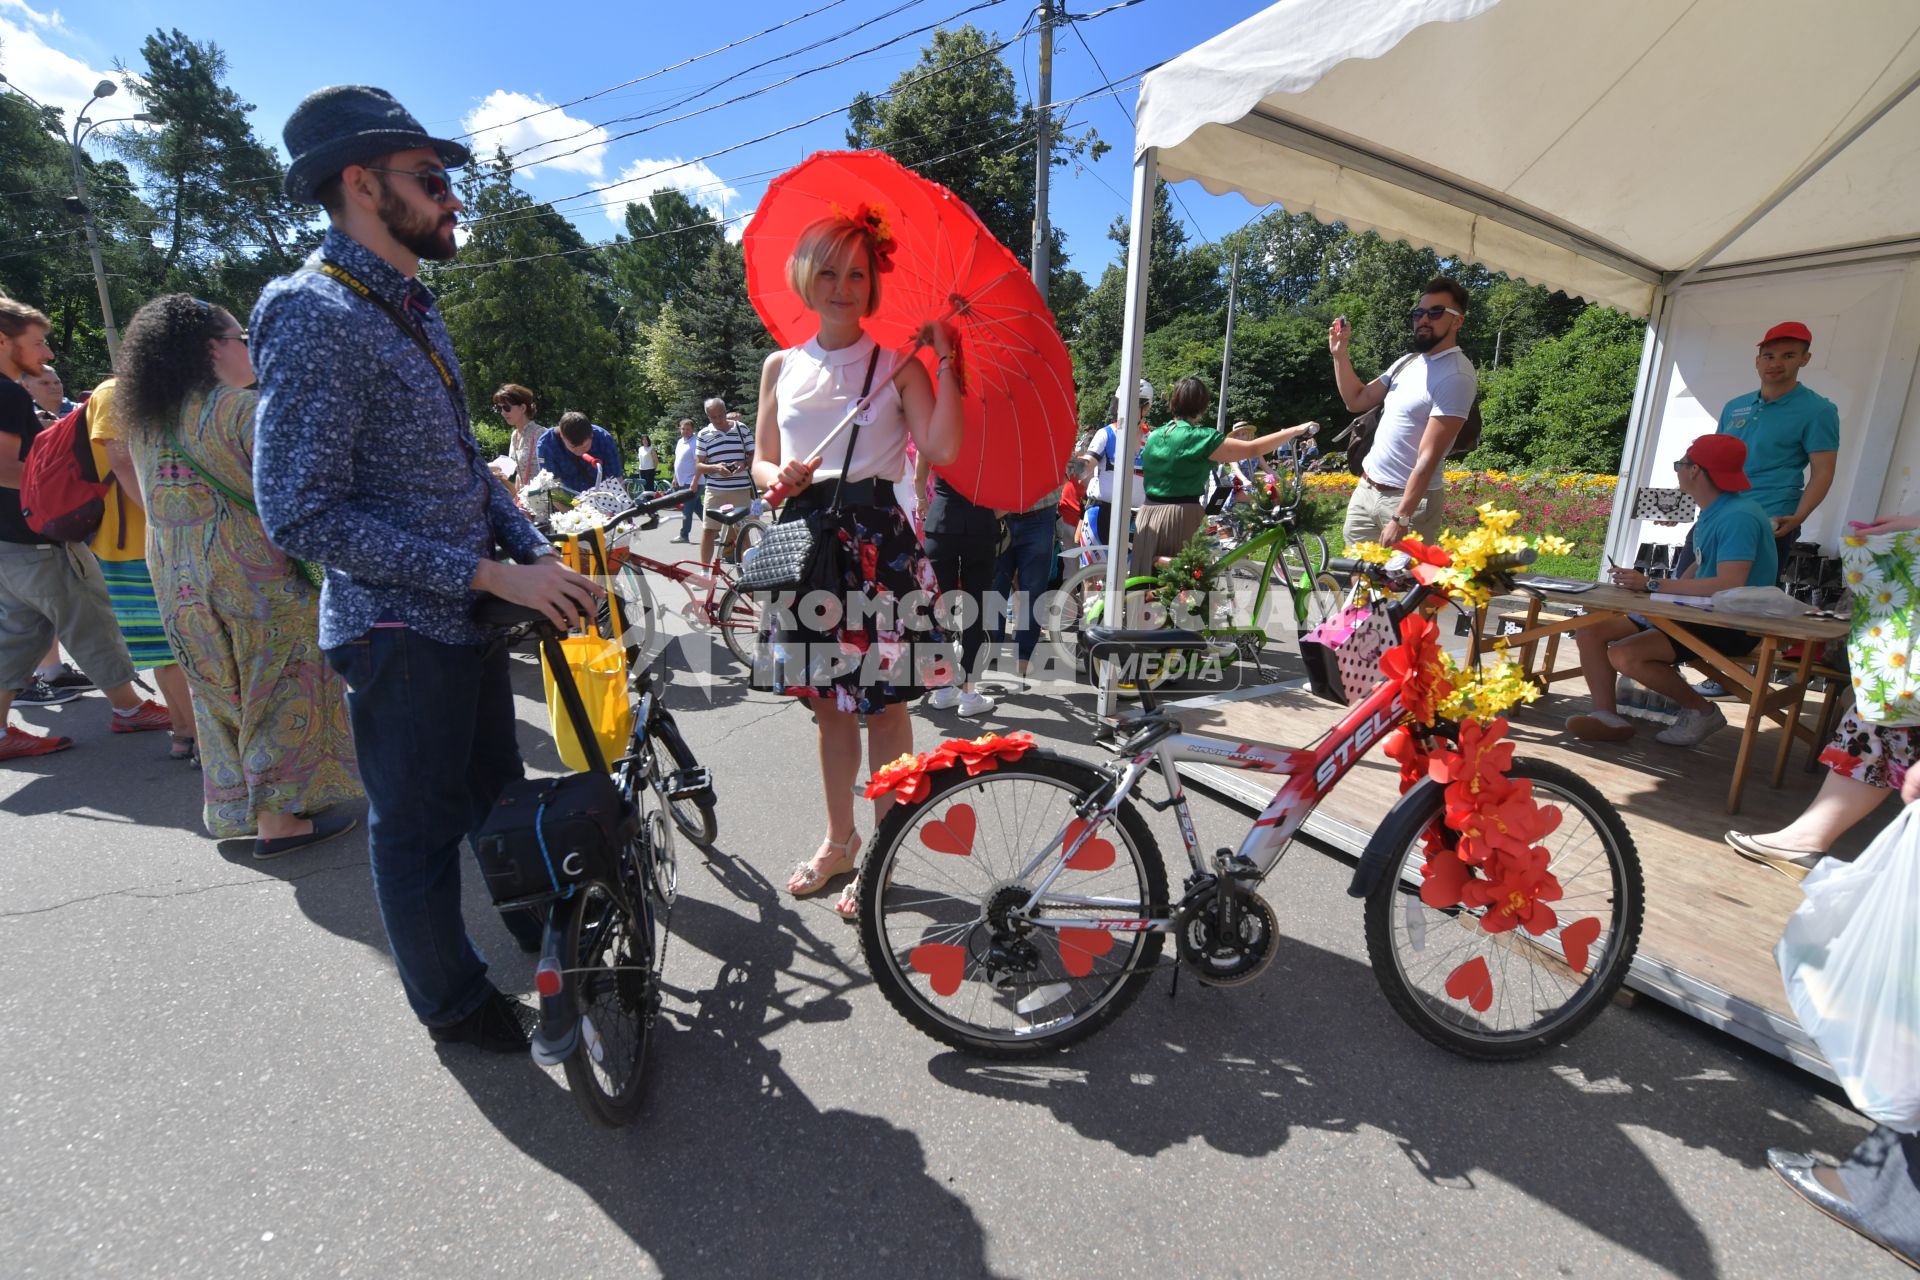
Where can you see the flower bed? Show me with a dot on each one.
(1570, 505)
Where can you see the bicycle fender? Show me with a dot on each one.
(1379, 854)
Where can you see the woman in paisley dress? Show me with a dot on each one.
(883, 649)
(275, 746)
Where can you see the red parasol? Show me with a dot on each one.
(1018, 379)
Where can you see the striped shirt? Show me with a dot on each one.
(716, 447)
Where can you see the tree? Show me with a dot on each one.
(954, 117)
(710, 343)
(1564, 404)
(217, 188)
(668, 238)
(520, 307)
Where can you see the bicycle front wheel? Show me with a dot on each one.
(738, 618)
(1513, 993)
(954, 938)
(608, 960)
(628, 586)
(1305, 555)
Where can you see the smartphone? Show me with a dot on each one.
(1340, 323)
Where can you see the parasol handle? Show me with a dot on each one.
(779, 492)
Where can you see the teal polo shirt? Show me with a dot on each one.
(1734, 527)
(1779, 435)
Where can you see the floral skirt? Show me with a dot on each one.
(1877, 754)
(865, 635)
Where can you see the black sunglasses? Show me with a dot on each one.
(432, 181)
(1431, 313)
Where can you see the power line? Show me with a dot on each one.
(685, 62)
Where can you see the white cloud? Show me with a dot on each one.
(44, 72)
(696, 181)
(550, 140)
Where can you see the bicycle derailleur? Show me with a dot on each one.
(1224, 931)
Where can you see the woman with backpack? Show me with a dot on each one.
(243, 619)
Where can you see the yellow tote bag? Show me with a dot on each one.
(599, 668)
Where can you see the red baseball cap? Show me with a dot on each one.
(1724, 459)
(1789, 329)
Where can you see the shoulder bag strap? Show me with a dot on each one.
(846, 462)
(229, 492)
(334, 271)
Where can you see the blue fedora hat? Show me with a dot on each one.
(347, 124)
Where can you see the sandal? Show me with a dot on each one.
(182, 748)
(847, 906)
(810, 877)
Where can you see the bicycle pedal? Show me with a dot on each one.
(688, 783)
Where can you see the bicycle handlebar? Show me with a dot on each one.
(649, 506)
(1495, 564)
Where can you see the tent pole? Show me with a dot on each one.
(1226, 347)
(1797, 180)
(1634, 457)
(1133, 336)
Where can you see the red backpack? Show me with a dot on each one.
(62, 495)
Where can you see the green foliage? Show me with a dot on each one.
(709, 343)
(1184, 585)
(1565, 402)
(666, 242)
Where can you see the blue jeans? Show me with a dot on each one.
(433, 727)
(1030, 555)
(688, 510)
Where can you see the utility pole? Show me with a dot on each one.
(106, 88)
(1043, 154)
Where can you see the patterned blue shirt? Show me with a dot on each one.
(361, 462)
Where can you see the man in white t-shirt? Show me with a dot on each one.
(686, 477)
(1423, 400)
(1103, 446)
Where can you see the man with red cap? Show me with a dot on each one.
(1733, 543)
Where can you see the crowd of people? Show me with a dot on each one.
(302, 591)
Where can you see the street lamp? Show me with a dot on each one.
(105, 89)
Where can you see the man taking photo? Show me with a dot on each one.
(1423, 400)
(352, 356)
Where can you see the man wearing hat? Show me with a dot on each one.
(1733, 542)
(364, 462)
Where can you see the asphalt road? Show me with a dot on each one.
(208, 1069)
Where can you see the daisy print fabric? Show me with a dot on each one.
(1880, 574)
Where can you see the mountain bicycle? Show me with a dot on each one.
(1015, 912)
(714, 600)
(604, 942)
(1275, 549)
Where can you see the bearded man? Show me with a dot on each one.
(364, 462)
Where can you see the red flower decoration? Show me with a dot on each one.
(1414, 665)
(1405, 750)
(985, 752)
(906, 777)
(1516, 893)
(1425, 554)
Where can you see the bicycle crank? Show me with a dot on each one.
(1230, 953)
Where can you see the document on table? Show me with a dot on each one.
(1698, 602)
(1567, 585)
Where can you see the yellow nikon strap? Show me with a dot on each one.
(335, 271)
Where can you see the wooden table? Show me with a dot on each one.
(1765, 699)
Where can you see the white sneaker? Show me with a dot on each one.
(945, 698)
(1691, 727)
(975, 704)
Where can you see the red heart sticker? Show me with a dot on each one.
(952, 832)
(1471, 982)
(1576, 938)
(1095, 855)
(1080, 947)
(942, 963)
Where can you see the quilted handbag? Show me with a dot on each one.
(789, 552)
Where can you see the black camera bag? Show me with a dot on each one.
(547, 835)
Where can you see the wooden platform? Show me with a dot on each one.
(1712, 918)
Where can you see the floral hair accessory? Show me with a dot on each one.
(872, 218)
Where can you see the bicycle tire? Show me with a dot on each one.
(747, 535)
(636, 607)
(890, 892)
(737, 618)
(607, 959)
(1305, 555)
(1063, 621)
(696, 816)
(1422, 999)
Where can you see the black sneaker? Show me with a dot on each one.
(500, 1025)
(39, 693)
(71, 679)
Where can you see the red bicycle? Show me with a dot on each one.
(714, 599)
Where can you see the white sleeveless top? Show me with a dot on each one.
(816, 388)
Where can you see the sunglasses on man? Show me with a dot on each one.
(1430, 313)
(432, 181)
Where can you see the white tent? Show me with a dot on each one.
(1712, 165)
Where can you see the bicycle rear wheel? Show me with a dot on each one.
(946, 931)
(738, 618)
(1506, 995)
(608, 961)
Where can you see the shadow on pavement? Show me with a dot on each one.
(1244, 1073)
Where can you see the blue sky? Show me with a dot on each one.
(487, 63)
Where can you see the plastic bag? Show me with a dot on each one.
(1850, 958)
(1768, 602)
(599, 669)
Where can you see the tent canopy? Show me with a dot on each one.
(1603, 148)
